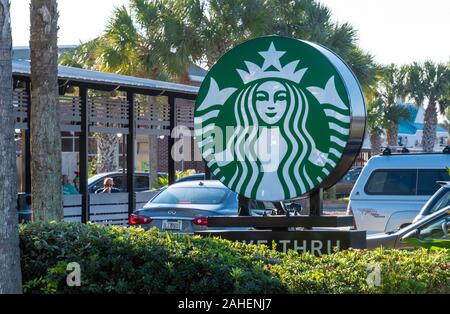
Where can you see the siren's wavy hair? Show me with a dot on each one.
(299, 143)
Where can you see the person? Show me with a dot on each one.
(76, 180)
(68, 189)
(108, 187)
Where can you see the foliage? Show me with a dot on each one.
(330, 194)
(375, 117)
(432, 244)
(429, 81)
(384, 110)
(164, 180)
(161, 39)
(131, 260)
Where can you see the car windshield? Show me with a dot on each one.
(190, 195)
(443, 200)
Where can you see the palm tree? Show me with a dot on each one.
(47, 199)
(391, 90)
(10, 274)
(375, 124)
(157, 39)
(429, 81)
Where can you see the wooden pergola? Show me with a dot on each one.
(129, 116)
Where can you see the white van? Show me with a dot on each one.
(392, 189)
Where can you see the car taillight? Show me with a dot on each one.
(201, 221)
(139, 220)
(350, 213)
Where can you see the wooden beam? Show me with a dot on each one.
(131, 143)
(171, 141)
(84, 163)
(275, 222)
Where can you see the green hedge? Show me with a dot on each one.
(130, 260)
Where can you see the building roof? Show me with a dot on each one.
(23, 68)
(415, 122)
(196, 74)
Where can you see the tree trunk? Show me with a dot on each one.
(46, 187)
(10, 273)
(106, 152)
(392, 134)
(429, 128)
(375, 144)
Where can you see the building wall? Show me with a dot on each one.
(414, 141)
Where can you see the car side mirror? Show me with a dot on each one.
(445, 227)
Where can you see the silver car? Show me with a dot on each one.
(439, 200)
(185, 207)
(433, 226)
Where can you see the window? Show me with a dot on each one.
(443, 200)
(437, 229)
(118, 182)
(142, 183)
(427, 180)
(174, 195)
(67, 145)
(392, 182)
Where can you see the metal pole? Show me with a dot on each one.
(124, 165)
(171, 142)
(130, 154)
(84, 163)
(316, 203)
(207, 173)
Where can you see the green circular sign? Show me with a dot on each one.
(277, 117)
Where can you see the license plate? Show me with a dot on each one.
(172, 224)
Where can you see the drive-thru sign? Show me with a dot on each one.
(278, 117)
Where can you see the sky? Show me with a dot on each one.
(398, 31)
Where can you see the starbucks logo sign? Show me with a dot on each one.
(277, 118)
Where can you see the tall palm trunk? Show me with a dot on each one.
(375, 144)
(10, 275)
(429, 128)
(106, 152)
(392, 134)
(46, 189)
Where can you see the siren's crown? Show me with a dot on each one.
(271, 60)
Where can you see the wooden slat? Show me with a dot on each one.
(110, 209)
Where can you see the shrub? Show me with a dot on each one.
(131, 260)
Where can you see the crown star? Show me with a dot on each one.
(271, 59)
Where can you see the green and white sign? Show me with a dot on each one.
(277, 118)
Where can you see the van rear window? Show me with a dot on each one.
(405, 181)
(392, 182)
(427, 180)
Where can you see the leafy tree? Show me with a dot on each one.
(47, 200)
(10, 273)
(429, 81)
(160, 39)
(391, 90)
(375, 125)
